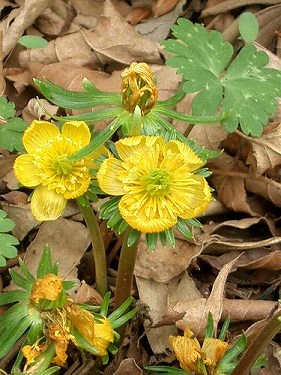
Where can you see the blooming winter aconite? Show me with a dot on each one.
(46, 166)
(157, 181)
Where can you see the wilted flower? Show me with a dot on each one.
(194, 358)
(46, 166)
(157, 181)
(138, 88)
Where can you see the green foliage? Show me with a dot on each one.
(7, 241)
(243, 87)
(11, 128)
(248, 27)
(32, 41)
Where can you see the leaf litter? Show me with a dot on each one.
(233, 266)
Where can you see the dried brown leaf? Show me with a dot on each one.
(114, 40)
(137, 15)
(157, 265)
(18, 20)
(228, 179)
(161, 7)
(68, 241)
(266, 152)
(128, 367)
(196, 317)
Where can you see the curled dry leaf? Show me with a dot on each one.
(158, 298)
(196, 317)
(161, 7)
(266, 152)
(18, 20)
(251, 259)
(228, 179)
(137, 15)
(87, 294)
(39, 110)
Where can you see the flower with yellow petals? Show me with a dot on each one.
(138, 88)
(46, 166)
(194, 358)
(157, 182)
(104, 335)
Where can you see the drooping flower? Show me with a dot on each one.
(194, 358)
(138, 88)
(46, 166)
(157, 181)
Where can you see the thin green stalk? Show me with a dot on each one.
(258, 344)
(97, 244)
(125, 271)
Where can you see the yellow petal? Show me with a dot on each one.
(187, 352)
(25, 171)
(104, 335)
(139, 144)
(77, 131)
(107, 177)
(47, 204)
(38, 134)
(197, 199)
(147, 217)
(191, 159)
(214, 350)
(48, 287)
(82, 320)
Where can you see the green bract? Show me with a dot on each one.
(243, 87)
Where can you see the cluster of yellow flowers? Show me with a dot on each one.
(65, 323)
(156, 179)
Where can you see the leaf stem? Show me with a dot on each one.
(258, 344)
(125, 271)
(97, 245)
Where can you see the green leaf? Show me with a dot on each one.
(76, 99)
(13, 296)
(7, 241)
(12, 334)
(7, 109)
(245, 91)
(167, 370)
(32, 41)
(11, 134)
(248, 27)
(250, 91)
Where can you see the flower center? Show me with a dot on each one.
(158, 182)
(62, 165)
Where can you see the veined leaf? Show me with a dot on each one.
(7, 109)
(246, 90)
(7, 241)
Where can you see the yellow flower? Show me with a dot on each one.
(104, 335)
(194, 358)
(138, 88)
(31, 352)
(187, 350)
(214, 350)
(98, 331)
(49, 287)
(82, 320)
(156, 181)
(46, 166)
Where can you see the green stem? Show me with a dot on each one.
(258, 344)
(125, 271)
(97, 244)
